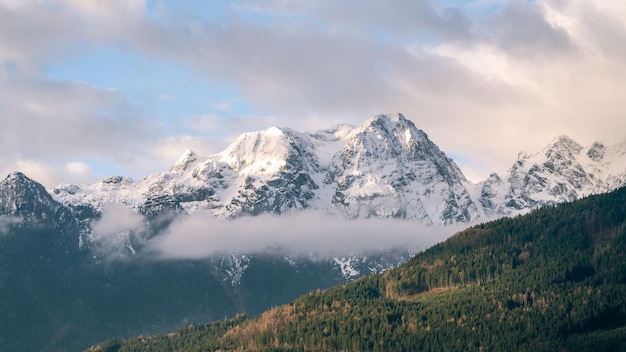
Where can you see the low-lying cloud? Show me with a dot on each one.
(117, 231)
(6, 221)
(199, 235)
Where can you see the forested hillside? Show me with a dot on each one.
(554, 279)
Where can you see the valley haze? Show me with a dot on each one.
(307, 234)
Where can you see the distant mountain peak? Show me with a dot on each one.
(274, 131)
(564, 139)
(22, 196)
(564, 146)
(394, 117)
(18, 182)
(266, 151)
(385, 167)
(183, 163)
(16, 176)
(596, 152)
(387, 122)
(389, 168)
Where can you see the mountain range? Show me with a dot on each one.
(386, 168)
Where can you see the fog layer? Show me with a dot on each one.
(198, 236)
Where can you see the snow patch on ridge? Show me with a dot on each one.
(347, 270)
(234, 266)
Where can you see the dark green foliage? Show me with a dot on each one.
(552, 280)
(54, 297)
(189, 338)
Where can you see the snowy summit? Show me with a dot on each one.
(384, 168)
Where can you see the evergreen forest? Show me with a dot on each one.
(551, 280)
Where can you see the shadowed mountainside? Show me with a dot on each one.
(554, 279)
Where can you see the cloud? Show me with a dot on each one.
(31, 31)
(225, 105)
(122, 234)
(480, 77)
(59, 116)
(116, 231)
(6, 221)
(522, 30)
(553, 77)
(49, 126)
(51, 173)
(55, 128)
(205, 122)
(398, 18)
(115, 219)
(79, 168)
(198, 236)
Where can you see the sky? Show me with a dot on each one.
(92, 88)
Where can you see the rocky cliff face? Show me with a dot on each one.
(389, 168)
(24, 198)
(385, 168)
(563, 171)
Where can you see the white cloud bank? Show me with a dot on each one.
(120, 231)
(197, 236)
(115, 232)
(6, 221)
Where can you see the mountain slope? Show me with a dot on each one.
(22, 197)
(67, 294)
(389, 168)
(554, 279)
(563, 171)
(26, 205)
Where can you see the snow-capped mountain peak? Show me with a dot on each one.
(29, 201)
(563, 171)
(596, 152)
(268, 151)
(22, 196)
(562, 150)
(389, 168)
(185, 162)
(385, 167)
